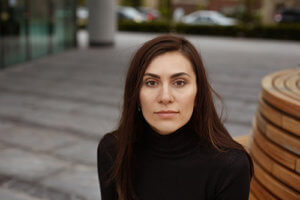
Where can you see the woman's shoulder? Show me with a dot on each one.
(107, 145)
(233, 159)
(233, 176)
(108, 139)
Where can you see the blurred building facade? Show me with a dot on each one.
(31, 29)
(266, 8)
(187, 5)
(223, 6)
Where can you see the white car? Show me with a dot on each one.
(130, 13)
(208, 17)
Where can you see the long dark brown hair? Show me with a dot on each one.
(205, 120)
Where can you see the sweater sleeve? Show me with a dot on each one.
(105, 158)
(234, 181)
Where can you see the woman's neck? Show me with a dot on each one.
(176, 144)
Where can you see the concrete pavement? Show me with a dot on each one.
(54, 110)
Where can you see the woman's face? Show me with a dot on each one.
(168, 92)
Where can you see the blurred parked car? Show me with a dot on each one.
(149, 14)
(130, 13)
(123, 13)
(290, 15)
(208, 17)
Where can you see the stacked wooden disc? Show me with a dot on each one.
(274, 143)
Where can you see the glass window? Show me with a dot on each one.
(30, 29)
(39, 19)
(58, 26)
(13, 32)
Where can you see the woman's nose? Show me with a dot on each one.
(165, 95)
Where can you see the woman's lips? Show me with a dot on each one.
(167, 114)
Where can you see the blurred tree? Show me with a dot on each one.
(200, 6)
(248, 11)
(248, 15)
(133, 3)
(165, 9)
(81, 2)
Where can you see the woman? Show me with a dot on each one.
(170, 142)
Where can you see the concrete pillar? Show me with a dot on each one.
(267, 9)
(102, 22)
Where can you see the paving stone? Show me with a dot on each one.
(80, 180)
(24, 84)
(237, 130)
(83, 151)
(242, 113)
(238, 94)
(103, 111)
(11, 111)
(2, 146)
(60, 105)
(86, 93)
(6, 194)
(4, 179)
(83, 124)
(36, 102)
(4, 126)
(35, 138)
(19, 99)
(27, 165)
(38, 191)
(240, 116)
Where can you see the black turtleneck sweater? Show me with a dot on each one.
(179, 166)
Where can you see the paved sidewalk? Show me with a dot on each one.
(54, 110)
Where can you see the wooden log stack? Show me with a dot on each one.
(274, 142)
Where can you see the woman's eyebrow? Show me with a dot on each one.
(173, 76)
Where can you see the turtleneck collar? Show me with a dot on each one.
(179, 143)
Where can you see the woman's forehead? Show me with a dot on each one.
(169, 63)
(174, 75)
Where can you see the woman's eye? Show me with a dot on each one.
(179, 83)
(150, 83)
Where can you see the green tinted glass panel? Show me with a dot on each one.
(39, 28)
(33, 28)
(64, 24)
(58, 26)
(70, 23)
